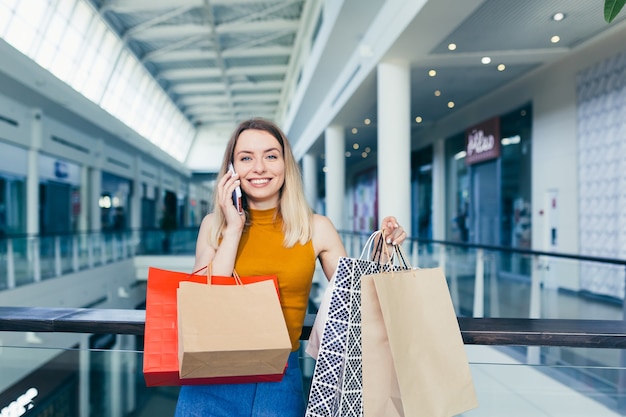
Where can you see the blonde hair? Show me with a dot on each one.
(296, 214)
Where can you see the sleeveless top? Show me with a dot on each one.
(261, 252)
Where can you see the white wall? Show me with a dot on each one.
(552, 91)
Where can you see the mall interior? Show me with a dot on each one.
(494, 130)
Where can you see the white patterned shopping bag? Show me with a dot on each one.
(337, 387)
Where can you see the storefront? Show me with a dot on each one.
(489, 184)
(13, 170)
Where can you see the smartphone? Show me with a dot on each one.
(237, 193)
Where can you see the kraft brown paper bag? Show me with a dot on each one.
(381, 393)
(231, 330)
(426, 345)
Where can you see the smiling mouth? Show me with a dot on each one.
(260, 181)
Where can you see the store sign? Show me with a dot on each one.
(21, 405)
(60, 170)
(482, 142)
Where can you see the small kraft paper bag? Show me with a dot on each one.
(418, 343)
(160, 362)
(231, 331)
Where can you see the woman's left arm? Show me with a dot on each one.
(327, 244)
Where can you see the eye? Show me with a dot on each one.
(245, 158)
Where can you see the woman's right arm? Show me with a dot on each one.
(221, 258)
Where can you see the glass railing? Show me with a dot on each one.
(486, 283)
(28, 259)
(101, 376)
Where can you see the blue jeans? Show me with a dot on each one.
(263, 399)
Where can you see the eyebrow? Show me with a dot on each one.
(265, 151)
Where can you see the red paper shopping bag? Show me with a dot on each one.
(160, 363)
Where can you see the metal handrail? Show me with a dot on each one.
(605, 334)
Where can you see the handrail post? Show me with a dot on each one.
(533, 353)
(103, 249)
(90, 250)
(442, 258)
(57, 256)
(415, 253)
(479, 285)
(75, 253)
(535, 289)
(36, 256)
(494, 294)
(621, 379)
(10, 265)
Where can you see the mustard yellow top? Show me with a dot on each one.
(261, 252)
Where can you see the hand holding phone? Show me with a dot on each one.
(237, 193)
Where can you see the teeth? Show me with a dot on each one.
(262, 181)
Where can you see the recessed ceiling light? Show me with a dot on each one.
(557, 17)
(419, 119)
(364, 154)
(437, 93)
(355, 130)
(485, 60)
(432, 73)
(450, 104)
(452, 46)
(355, 146)
(501, 67)
(368, 149)
(348, 154)
(324, 169)
(555, 39)
(367, 121)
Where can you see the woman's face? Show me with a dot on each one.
(258, 159)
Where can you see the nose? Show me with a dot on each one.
(259, 165)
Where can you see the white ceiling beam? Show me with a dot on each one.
(198, 88)
(187, 73)
(265, 26)
(256, 52)
(257, 70)
(195, 100)
(135, 6)
(180, 55)
(260, 85)
(256, 98)
(163, 17)
(165, 32)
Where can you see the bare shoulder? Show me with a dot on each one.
(325, 235)
(205, 229)
(322, 226)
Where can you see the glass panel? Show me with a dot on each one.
(99, 381)
(101, 375)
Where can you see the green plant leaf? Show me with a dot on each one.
(612, 9)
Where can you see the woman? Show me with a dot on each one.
(278, 234)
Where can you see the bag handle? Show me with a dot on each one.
(210, 275)
(397, 255)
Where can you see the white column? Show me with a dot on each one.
(394, 142)
(439, 190)
(135, 204)
(83, 217)
(95, 188)
(309, 178)
(83, 376)
(335, 179)
(32, 179)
